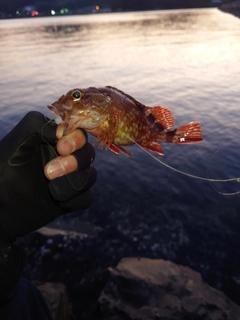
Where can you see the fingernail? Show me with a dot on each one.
(68, 146)
(55, 169)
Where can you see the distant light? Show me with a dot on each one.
(97, 8)
(53, 12)
(17, 12)
(64, 10)
(34, 13)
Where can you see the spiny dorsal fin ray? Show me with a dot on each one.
(136, 102)
(162, 116)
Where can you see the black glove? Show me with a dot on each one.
(28, 200)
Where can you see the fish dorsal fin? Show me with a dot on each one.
(133, 100)
(162, 116)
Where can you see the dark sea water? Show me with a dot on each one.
(187, 60)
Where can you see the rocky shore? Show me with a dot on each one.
(84, 277)
(231, 6)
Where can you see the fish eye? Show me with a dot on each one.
(76, 95)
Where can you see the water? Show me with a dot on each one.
(187, 60)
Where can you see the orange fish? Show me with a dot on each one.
(117, 119)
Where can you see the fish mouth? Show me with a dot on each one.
(56, 111)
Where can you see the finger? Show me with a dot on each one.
(71, 142)
(83, 201)
(60, 166)
(84, 156)
(60, 130)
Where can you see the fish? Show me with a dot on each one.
(117, 120)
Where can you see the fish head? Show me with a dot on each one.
(82, 108)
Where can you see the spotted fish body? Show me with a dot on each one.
(117, 119)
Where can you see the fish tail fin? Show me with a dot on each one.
(188, 133)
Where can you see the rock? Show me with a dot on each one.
(146, 289)
(136, 288)
(55, 295)
(55, 255)
(232, 7)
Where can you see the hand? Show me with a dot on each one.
(28, 200)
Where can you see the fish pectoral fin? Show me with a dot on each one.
(162, 115)
(108, 131)
(116, 148)
(155, 147)
(105, 139)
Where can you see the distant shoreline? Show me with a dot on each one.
(231, 6)
(20, 14)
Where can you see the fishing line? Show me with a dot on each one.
(185, 173)
(156, 159)
(42, 135)
(220, 192)
(59, 162)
